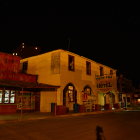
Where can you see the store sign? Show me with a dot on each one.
(104, 83)
(9, 63)
(18, 77)
(10, 68)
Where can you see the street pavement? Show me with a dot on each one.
(5, 118)
(117, 125)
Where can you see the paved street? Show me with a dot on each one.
(109, 126)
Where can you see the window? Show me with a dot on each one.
(1, 95)
(111, 72)
(25, 66)
(7, 96)
(71, 63)
(87, 90)
(70, 93)
(88, 68)
(12, 97)
(101, 71)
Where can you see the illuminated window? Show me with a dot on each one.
(88, 68)
(1, 95)
(12, 96)
(139, 100)
(71, 63)
(7, 96)
(70, 93)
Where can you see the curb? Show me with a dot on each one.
(75, 114)
(58, 116)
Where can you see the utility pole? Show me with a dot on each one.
(68, 44)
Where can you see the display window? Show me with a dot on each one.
(70, 93)
(7, 96)
(12, 96)
(1, 96)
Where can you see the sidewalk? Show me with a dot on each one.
(5, 118)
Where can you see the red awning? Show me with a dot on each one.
(26, 85)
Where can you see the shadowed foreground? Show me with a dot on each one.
(110, 126)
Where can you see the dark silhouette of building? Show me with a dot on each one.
(25, 51)
(126, 90)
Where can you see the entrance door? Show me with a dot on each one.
(69, 96)
(37, 101)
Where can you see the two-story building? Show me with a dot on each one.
(82, 81)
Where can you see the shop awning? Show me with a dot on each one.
(25, 85)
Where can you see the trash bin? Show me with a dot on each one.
(53, 107)
(75, 107)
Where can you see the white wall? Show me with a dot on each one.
(46, 98)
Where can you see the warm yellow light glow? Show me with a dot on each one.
(36, 48)
(139, 100)
(13, 53)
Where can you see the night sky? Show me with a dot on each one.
(104, 33)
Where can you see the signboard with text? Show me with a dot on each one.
(9, 62)
(18, 77)
(10, 69)
(104, 83)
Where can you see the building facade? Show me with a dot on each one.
(126, 91)
(82, 81)
(18, 90)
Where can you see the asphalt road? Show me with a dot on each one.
(110, 126)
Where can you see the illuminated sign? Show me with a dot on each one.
(104, 83)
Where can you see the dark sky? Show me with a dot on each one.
(104, 33)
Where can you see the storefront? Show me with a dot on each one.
(107, 92)
(24, 96)
(19, 91)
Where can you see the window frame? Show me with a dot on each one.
(88, 68)
(101, 71)
(25, 66)
(9, 97)
(71, 63)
